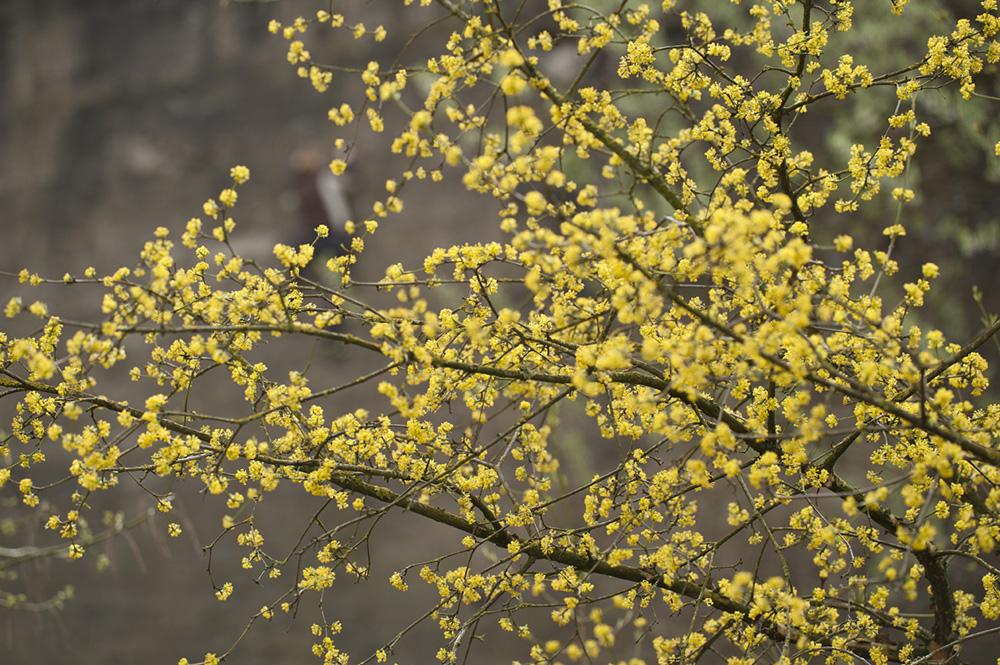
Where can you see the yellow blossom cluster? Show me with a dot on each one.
(663, 285)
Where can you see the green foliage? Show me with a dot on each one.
(779, 465)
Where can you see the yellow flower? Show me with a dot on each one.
(228, 197)
(535, 202)
(511, 58)
(211, 208)
(239, 174)
(225, 591)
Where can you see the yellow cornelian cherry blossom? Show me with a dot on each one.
(659, 333)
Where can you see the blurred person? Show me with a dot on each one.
(319, 198)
